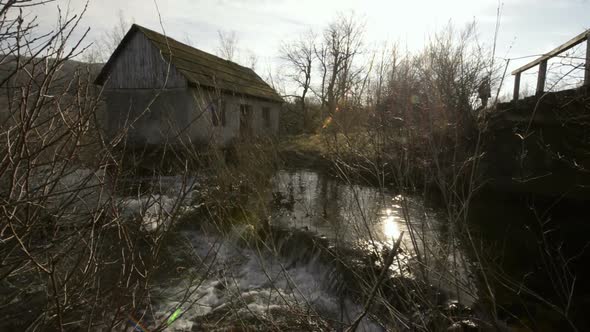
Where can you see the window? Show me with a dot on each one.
(245, 110)
(245, 120)
(266, 117)
(217, 110)
(212, 108)
(222, 108)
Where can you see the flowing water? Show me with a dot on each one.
(217, 279)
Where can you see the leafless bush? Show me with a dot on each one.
(75, 254)
(421, 133)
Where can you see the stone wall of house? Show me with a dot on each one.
(192, 116)
(226, 128)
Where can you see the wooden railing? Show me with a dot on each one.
(542, 62)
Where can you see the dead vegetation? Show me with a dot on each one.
(82, 249)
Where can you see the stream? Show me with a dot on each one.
(218, 282)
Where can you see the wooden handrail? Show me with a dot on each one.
(562, 48)
(542, 62)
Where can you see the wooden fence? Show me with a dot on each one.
(542, 62)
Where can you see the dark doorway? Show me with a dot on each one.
(245, 121)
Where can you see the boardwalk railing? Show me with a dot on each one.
(542, 62)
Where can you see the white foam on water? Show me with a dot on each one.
(155, 210)
(252, 283)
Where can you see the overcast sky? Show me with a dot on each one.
(528, 27)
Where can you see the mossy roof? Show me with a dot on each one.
(199, 68)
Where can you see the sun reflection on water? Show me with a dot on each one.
(390, 224)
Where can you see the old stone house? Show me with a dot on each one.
(160, 91)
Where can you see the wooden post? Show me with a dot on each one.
(587, 66)
(541, 77)
(516, 86)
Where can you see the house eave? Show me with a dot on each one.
(275, 99)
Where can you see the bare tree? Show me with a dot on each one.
(187, 40)
(299, 55)
(252, 59)
(342, 42)
(321, 53)
(71, 259)
(112, 38)
(228, 45)
(385, 68)
(106, 44)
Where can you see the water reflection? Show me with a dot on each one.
(390, 226)
(352, 214)
(372, 218)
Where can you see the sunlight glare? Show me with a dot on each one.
(390, 228)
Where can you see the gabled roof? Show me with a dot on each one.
(198, 67)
